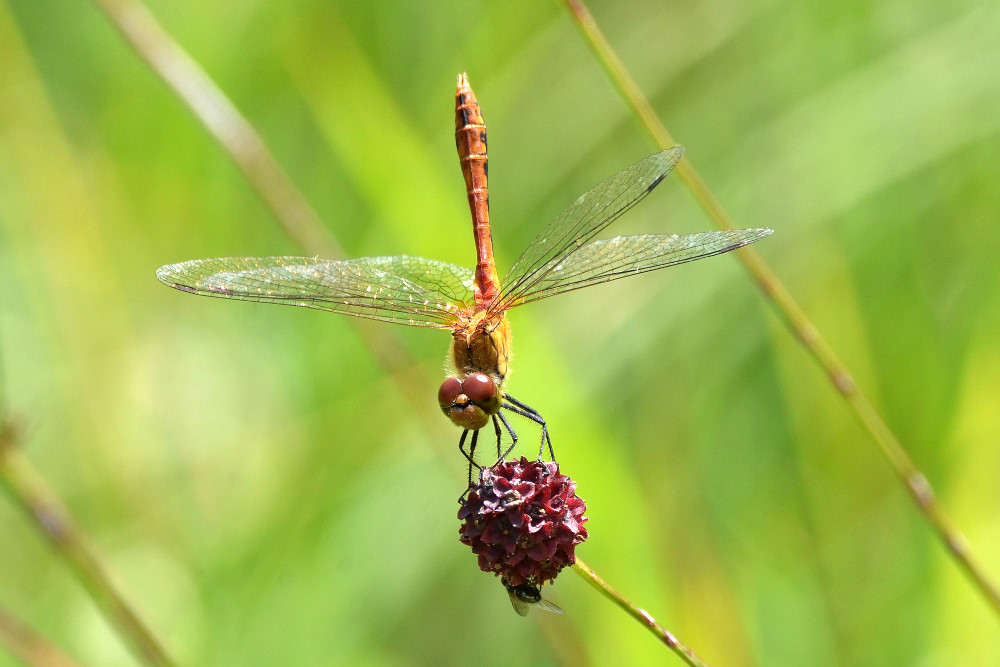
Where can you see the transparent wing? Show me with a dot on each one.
(406, 290)
(548, 606)
(609, 259)
(581, 221)
(520, 606)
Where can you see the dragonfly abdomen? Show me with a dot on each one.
(470, 138)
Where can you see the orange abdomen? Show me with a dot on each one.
(470, 138)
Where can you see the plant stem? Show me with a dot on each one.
(794, 317)
(29, 646)
(223, 120)
(639, 614)
(247, 149)
(43, 506)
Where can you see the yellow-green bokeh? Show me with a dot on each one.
(266, 491)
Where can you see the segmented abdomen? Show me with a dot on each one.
(470, 138)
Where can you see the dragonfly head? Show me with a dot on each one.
(470, 402)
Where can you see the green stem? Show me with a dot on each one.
(794, 317)
(28, 646)
(238, 138)
(224, 121)
(639, 614)
(26, 486)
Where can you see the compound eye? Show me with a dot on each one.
(481, 390)
(450, 390)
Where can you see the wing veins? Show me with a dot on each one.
(609, 259)
(577, 224)
(402, 289)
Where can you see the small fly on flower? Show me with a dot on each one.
(526, 596)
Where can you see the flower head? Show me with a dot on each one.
(523, 520)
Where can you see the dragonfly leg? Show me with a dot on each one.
(536, 417)
(472, 451)
(470, 457)
(472, 447)
(517, 407)
(496, 427)
(461, 445)
(513, 436)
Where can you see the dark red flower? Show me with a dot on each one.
(523, 520)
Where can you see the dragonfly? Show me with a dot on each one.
(527, 596)
(472, 303)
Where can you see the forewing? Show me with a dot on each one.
(609, 259)
(584, 218)
(406, 290)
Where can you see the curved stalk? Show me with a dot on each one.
(639, 614)
(53, 519)
(795, 318)
(29, 646)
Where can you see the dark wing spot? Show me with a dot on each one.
(659, 179)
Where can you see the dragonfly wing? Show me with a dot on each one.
(448, 280)
(406, 290)
(609, 259)
(582, 220)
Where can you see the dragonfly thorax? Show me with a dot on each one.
(482, 345)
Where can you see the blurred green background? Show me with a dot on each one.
(266, 491)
